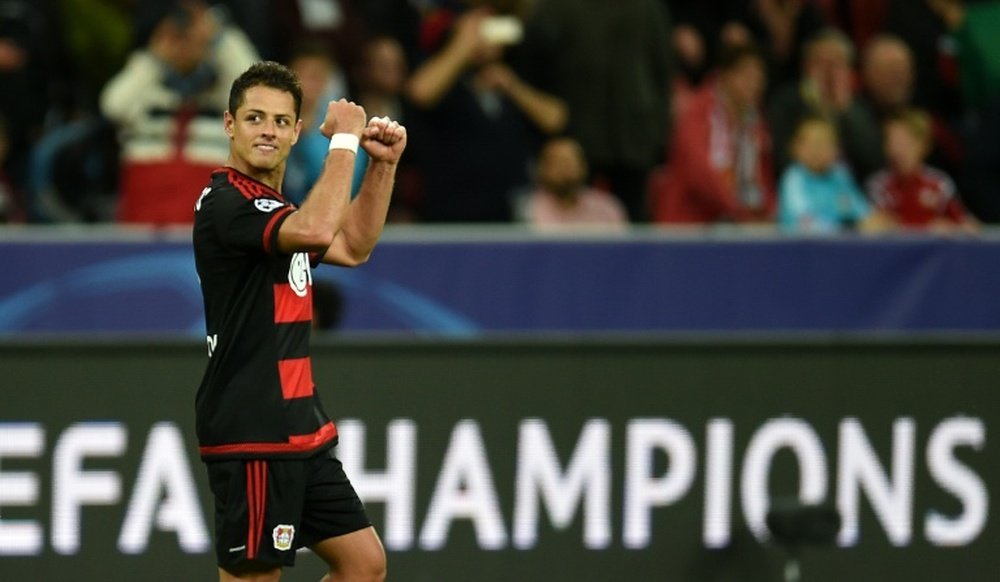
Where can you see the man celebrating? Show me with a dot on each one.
(262, 431)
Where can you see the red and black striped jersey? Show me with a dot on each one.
(257, 398)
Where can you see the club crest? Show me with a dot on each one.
(283, 536)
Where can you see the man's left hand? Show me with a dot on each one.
(384, 140)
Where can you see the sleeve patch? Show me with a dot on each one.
(267, 204)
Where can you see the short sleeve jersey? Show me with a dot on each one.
(918, 199)
(257, 397)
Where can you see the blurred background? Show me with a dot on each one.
(669, 290)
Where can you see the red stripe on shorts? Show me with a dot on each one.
(256, 504)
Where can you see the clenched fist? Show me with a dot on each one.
(343, 116)
(384, 140)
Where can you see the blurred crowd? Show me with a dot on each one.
(809, 115)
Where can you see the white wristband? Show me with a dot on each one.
(345, 141)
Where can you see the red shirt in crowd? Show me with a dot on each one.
(917, 199)
(719, 169)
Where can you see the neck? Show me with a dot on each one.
(271, 178)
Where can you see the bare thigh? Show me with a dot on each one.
(355, 556)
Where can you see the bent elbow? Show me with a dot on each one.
(356, 259)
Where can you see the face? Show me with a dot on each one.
(745, 83)
(561, 167)
(193, 39)
(888, 73)
(262, 130)
(815, 147)
(386, 66)
(904, 150)
(827, 59)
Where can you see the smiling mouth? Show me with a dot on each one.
(265, 147)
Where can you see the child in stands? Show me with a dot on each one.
(912, 193)
(817, 193)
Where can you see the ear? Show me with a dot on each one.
(298, 131)
(228, 121)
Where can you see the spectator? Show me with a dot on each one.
(381, 79)
(817, 193)
(562, 197)
(827, 89)
(611, 63)
(322, 81)
(167, 102)
(379, 86)
(887, 75)
(473, 123)
(887, 84)
(911, 193)
(720, 166)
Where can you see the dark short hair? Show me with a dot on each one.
(267, 74)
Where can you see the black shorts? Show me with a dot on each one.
(267, 509)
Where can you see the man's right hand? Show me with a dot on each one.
(343, 116)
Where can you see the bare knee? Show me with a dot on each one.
(354, 557)
(371, 568)
(379, 573)
(376, 570)
(375, 574)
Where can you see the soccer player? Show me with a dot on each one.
(262, 431)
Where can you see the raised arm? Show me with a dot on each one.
(384, 140)
(136, 88)
(548, 112)
(439, 73)
(317, 224)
